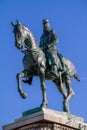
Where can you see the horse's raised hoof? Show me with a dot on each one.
(23, 94)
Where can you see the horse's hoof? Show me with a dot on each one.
(23, 94)
(66, 110)
(44, 104)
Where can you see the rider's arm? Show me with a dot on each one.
(54, 39)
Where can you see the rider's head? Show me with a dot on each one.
(46, 25)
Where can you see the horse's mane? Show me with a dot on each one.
(30, 34)
(26, 28)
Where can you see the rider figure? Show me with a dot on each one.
(48, 43)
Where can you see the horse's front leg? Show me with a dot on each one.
(43, 88)
(21, 91)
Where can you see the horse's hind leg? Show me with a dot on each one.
(21, 91)
(63, 91)
(61, 88)
(69, 89)
(43, 88)
(70, 93)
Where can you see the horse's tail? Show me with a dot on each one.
(76, 76)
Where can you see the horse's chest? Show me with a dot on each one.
(30, 60)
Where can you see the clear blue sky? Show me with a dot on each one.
(69, 19)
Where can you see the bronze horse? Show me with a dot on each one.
(34, 63)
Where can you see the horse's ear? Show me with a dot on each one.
(18, 22)
(12, 24)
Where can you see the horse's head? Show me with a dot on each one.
(20, 34)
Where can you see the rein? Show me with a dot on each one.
(31, 51)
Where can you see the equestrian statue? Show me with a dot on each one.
(44, 61)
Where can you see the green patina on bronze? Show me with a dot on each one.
(45, 62)
(32, 111)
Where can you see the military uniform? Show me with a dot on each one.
(48, 43)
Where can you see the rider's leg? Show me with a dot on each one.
(62, 66)
(54, 65)
(54, 69)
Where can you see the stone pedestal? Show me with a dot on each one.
(47, 119)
